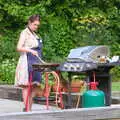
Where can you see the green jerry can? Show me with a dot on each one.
(93, 97)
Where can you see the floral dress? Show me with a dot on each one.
(27, 59)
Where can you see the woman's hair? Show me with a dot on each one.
(34, 18)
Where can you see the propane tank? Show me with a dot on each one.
(93, 97)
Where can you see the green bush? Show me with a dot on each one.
(7, 71)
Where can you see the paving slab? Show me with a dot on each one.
(12, 110)
(10, 106)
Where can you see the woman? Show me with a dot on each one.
(29, 46)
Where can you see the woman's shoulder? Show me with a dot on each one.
(25, 32)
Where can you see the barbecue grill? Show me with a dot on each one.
(86, 60)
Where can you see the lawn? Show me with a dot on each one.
(115, 86)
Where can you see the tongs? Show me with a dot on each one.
(46, 63)
(42, 61)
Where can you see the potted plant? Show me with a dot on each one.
(77, 83)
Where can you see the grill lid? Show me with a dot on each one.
(88, 54)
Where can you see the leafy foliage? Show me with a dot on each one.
(65, 24)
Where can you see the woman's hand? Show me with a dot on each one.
(23, 49)
(34, 52)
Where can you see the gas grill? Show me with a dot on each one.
(86, 60)
(83, 59)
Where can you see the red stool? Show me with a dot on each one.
(47, 91)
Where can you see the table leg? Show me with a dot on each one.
(59, 91)
(46, 90)
(69, 105)
(61, 100)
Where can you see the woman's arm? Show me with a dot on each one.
(20, 45)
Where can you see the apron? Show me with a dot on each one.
(31, 59)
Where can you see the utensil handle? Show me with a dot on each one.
(43, 62)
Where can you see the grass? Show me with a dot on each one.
(115, 86)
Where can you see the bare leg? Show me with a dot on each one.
(32, 95)
(30, 102)
(25, 97)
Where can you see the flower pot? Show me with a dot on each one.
(76, 85)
